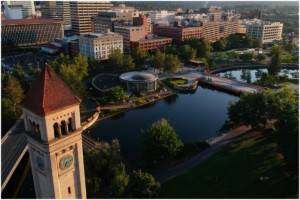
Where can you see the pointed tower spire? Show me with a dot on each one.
(48, 93)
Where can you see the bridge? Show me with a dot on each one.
(14, 146)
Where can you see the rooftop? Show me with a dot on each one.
(28, 21)
(48, 94)
(141, 76)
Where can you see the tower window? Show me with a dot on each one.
(69, 190)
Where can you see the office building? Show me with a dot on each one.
(264, 30)
(83, 11)
(28, 32)
(58, 10)
(214, 31)
(100, 46)
(130, 34)
(12, 9)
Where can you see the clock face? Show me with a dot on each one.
(39, 163)
(66, 162)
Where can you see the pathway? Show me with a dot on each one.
(216, 145)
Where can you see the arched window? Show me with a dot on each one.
(38, 131)
(56, 130)
(63, 126)
(34, 128)
(70, 127)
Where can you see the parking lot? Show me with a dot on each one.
(25, 59)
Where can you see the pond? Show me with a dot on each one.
(196, 116)
(251, 75)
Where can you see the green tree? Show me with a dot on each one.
(93, 184)
(119, 181)
(247, 56)
(171, 63)
(261, 57)
(257, 43)
(220, 45)
(12, 89)
(248, 42)
(143, 185)
(160, 141)
(115, 59)
(158, 59)
(212, 63)
(290, 47)
(128, 64)
(72, 71)
(116, 94)
(233, 55)
(233, 41)
(275, 65)
(20, 75)
(204, 50)
(187, 53)
(171, 49)
(139, 55)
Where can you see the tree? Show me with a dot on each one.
(233, 41)
(160, 141)
(247, 56)
(72, 71)
(211, 63)
(233, 55)
(275, 65)
(261, 57)
(290, 47)
(257, 43)
(12, 95)
(139, 55)
(171, 63)
(220, 45)
(157, 61)
(187, 53)
(204, 50)
(143, 185)
(128, 64)
(20, 75)
(116, 94)
(248, 42)
(115, 59)
(119, 181)
(171, 49)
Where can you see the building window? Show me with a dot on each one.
(69, 190)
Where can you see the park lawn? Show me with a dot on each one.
(235, 173)
(179, 81)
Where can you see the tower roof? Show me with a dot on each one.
(48, 93)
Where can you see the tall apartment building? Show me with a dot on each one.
(28, 32)
(27, 8)
(214, 31)
(264, 30)
(130, 34)
(142, 20)
(178, 34)
(100, 46)
(83, 11)
(58, 10)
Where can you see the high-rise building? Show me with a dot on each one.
(53, 130)
(214, 31)
(28, 9)
(83, 11)
(100, 46)
(58, 10)
(264, 30)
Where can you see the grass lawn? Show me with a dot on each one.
(179, 81)
(235, 173)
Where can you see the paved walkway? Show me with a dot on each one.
(216, 145)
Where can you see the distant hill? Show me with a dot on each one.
(160, 5)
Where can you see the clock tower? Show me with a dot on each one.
(53, 127)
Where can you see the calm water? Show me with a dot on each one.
(251, 75)
(194, 116)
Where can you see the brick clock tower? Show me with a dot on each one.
(52, 122)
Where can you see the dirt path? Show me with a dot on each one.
(216, 145)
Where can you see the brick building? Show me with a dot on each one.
(28, 32)
(151, 43)
(178, 34)
(214, 31)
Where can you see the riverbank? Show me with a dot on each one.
(216, 145)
